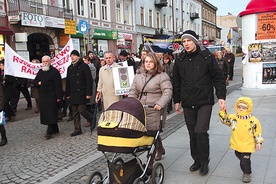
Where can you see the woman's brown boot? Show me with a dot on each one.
(160, 149)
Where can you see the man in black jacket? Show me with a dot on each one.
(127, 61)
(195, 74)
(79, 84)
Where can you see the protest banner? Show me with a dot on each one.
(17, 66)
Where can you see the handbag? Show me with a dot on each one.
(2, 118)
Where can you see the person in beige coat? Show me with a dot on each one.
(106, 88)
(157, 92)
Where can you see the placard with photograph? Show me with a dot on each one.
(123, 78)
(269, 73)
(255, 52)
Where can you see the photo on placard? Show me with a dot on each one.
(269, 73)
(269, 51)
(255, 52)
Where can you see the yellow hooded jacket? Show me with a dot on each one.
(246, 129)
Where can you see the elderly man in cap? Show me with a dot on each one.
(79, 83)
(127, 61)
(195, 74)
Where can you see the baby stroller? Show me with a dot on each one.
(122, 129)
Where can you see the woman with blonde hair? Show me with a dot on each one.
(157, 91)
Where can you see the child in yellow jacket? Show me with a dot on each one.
(246, 133)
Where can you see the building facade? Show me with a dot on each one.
(44, 26)
(209, 27)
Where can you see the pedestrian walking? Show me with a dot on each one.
(90, 106)
(34, 91)
(22, 86)
(125, 60)
(168, 66)
(106, 88)
(79, 86)
(246, 133)
(48, 82)
(230, 57)
(95, 60)
(223, 65)
(9, 84)
(152, 86)
(195, 75)
(4, 139)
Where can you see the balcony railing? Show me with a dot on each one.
(17, 6)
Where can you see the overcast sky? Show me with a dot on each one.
(232, 6)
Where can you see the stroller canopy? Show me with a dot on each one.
(131, 106)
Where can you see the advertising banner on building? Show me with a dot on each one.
(16, 65)
(162, 43)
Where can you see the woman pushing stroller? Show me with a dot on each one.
(152, 86)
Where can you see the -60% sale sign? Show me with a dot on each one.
(266, 26)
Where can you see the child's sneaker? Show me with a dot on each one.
(246, 178)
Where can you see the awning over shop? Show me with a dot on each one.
(5, 31)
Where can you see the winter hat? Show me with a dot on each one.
(75, 52)
(190, 35)
(123, 53)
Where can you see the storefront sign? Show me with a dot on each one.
(266, 28)
(54, 22)
(126, 36)
(105, 34)
(70, 26)
(31, 19)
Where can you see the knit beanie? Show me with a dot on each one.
(75, 52)
(190, 35)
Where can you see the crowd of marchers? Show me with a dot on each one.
(187, 79)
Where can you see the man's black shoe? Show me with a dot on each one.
(204, 169)
(47, 136)
(76, 133)
(195, 166)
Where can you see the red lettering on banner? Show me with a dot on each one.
(25, 69)
(61, 70)
(62, 52)
(24, 62)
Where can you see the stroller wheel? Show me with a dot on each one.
(139, 181)
(95, 178)
(157, 175)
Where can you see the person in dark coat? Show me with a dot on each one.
(195, 75)
(96, 62)
(9, 84)
(230, 57)
(4, 139)
(125, 60)
(79, 84)
(48, 82)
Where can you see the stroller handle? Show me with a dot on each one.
(149, 106)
